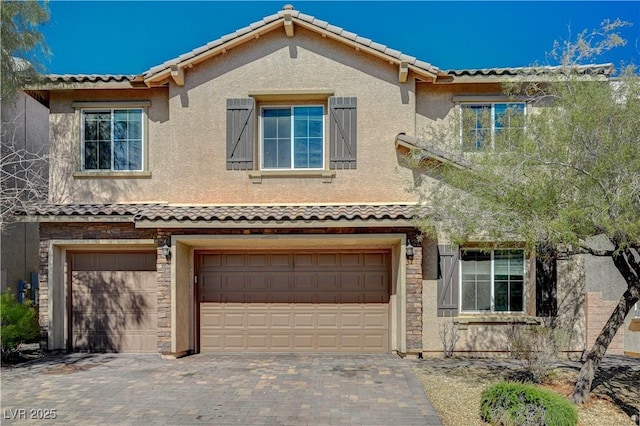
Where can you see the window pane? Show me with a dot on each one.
(476, 127)
(476, 280)
(270, 153)
(501, 294)
(284, 153)
(104, 155)
(90, 130)
(509, 123)
(91, 155)
(509, 280)
(120, 130)
(276, 143)
(468, 296)
(516, 299)
(120, 160)
(308, 131)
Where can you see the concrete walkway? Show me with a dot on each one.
(255, 389)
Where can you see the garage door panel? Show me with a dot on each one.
(257, 341)
(113, 302)
(350, 259)
(328, 281)
(303, 297)
(304, 260)
(328, 260)
(301, 302)
(257, 320)
(234, 342)
(303, 320)
(302, 342)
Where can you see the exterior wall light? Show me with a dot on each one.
(166, 251)
(409, 250)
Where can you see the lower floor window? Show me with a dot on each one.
(492, 281)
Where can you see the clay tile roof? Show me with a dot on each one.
(166, 212)
(87, 78)
(595, 69)
(309, 21)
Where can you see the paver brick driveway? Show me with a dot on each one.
(254, 389)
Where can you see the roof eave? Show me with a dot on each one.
(164, 75)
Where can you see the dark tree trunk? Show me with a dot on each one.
(629, 267)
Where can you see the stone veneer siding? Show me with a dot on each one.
(414, 302)
(114, 231)
(164, 296)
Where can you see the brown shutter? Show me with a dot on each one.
(240, 131)
(342, 132)
(448, 278)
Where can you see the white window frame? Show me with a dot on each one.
(292, 145)
(492, 310)
(492, 105)
(111, 110)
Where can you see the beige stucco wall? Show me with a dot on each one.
(187, 128)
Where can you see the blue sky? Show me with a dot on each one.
(115, 37)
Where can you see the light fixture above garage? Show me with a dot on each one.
(409, 250)
(166, 251)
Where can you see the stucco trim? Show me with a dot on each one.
(112, 175)
(291, 95)
(111, 104)
(242, 224)
(256, 176)
(484, 98)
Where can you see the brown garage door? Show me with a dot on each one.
(294, 302)
(113, 302)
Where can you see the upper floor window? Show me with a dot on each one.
(112, 139)
(492, 281)
(292, 137)
(493, 125)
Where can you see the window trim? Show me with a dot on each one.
(492, 311)
(143, 171)
(291, 107)
(471, 101)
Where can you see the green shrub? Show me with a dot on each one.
(519, 404)
(18, 323)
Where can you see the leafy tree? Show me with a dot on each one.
(571, 180)
(23, 46)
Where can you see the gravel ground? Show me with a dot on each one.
(454, 387)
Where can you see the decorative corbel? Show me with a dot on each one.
(177, 74)
(288, 23)
(403, 71)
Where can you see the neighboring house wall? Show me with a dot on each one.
(25, 123)
(604, 287)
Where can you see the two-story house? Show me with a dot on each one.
(250, 195)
